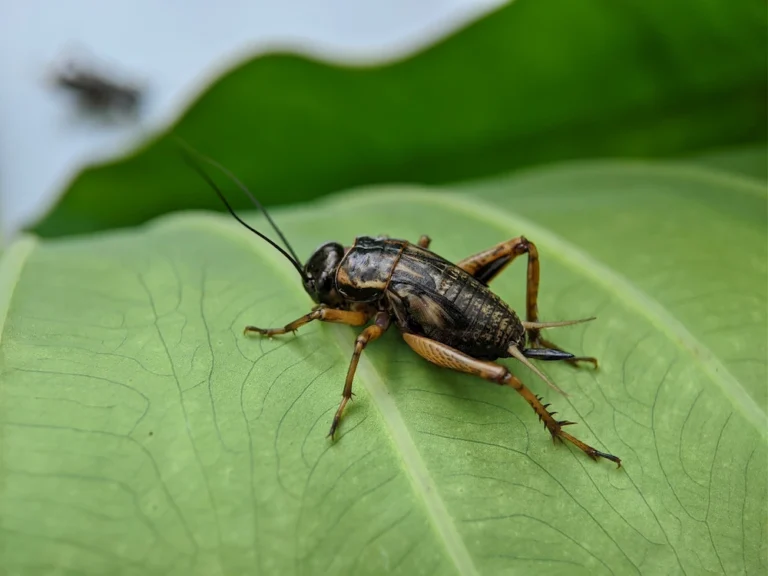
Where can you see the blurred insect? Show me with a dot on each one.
(446, 312)
(96, 92)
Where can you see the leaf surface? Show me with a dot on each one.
(142, 433)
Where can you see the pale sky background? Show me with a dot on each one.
(174, 47)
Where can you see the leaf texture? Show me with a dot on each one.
(142, 433)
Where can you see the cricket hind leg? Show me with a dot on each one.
(447, 357)
(322, 313)
(488, 264)
(371, 333)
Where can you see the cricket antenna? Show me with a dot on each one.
(291, 257)
(242, 187)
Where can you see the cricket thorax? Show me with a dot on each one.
(366, 269)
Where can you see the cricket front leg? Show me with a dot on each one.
(322, 313)
(447, 357)
(486, 265)
(371, 333)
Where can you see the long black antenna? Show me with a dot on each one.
(242, 187)
(212, 184)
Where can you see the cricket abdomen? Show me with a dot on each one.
(432, 297)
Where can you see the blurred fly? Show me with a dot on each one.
(97, 92)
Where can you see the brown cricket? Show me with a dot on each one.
(445, 312)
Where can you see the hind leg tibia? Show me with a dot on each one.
(448, 357)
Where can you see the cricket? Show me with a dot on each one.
(445, 312)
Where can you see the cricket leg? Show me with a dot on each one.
(486, 265)
(448, 357)
(351, 318)
(371, 333)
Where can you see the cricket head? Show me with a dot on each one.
(319, 274)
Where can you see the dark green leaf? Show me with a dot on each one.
(537, 81)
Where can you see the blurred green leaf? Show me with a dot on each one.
(537, 81)
(749, 161)
(142, 433)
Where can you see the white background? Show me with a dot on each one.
(173, 47)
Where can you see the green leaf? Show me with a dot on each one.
(536, 81)
(142, 433)
(749, 161)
